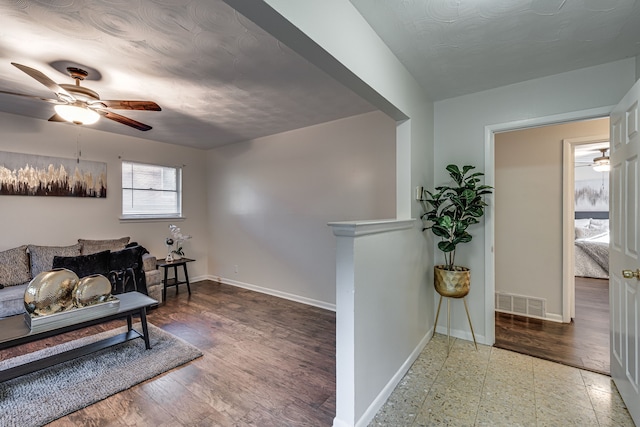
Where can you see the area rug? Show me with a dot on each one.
(43, 396)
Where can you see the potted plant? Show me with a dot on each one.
(451, 210)
(177, 238)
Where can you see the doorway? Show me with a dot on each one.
(533, 296)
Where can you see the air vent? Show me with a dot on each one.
(503, 302)
(536, 307)
(520, 304)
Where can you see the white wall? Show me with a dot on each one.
(270, 200)
(332, 35)
(383, 293)
(460, 138)
(528, 209)
(62, 220)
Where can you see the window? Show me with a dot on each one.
(150, 191)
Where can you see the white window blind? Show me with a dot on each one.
(150, 191)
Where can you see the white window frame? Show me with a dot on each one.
(152, 215)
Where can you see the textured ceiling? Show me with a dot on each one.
(221, 79)
(217, 76)
(456, 47)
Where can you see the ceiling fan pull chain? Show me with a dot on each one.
(78, 149)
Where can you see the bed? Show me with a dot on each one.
(592, 248)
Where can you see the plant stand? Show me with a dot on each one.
(464, 299)
(452, 283)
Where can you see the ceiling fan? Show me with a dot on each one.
(601, 163)
(81, 105)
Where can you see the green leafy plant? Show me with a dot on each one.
(452, 209)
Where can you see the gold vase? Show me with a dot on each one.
(92, 290)
(50, 291)
(452, 284)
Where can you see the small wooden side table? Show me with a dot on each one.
(166, 265)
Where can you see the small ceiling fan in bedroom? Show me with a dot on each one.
(81, 105)
(600, 164)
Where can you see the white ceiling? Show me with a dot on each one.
(220, 79)
(456, 47)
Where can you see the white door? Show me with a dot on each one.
(625, 250)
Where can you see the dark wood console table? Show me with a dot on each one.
(14, 331)
(166, 265)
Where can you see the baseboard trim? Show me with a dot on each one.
(273, 292)
(463, 335)
(384, 394)
(552, 317)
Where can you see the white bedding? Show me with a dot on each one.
(592, 250)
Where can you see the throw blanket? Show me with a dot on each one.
(598, 251)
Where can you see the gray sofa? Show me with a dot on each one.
(19, 265)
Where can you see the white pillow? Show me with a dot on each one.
(582, 232)
(587, 233)
(583, 222)
(599, 224)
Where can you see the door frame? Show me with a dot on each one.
(568, 223)
(489, 229)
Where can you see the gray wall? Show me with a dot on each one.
(270, 201)
(460, 129)
(62, 220)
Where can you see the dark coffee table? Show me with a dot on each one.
(14, 331)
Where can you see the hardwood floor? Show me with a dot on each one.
(267, 362)
(583, 343)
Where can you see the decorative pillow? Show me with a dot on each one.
(92, 246)
(599, 224)
(42, 256)
(14, 266)
(582, 232)
(84, 265)
(585, 233)
(583, 222)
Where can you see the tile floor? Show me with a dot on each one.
(495, 387)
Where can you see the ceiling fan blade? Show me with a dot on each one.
(53, 101)
(57, 118)
(131, 105)
(124, 120)
(42, 78)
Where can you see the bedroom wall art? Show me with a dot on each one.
(33, 175)
(592, 194)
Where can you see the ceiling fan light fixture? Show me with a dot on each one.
(602, 163)
(602, 167)
(76, 114)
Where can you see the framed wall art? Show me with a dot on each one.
(592, 194)
(33, 175)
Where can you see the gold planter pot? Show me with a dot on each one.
(452, 284)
